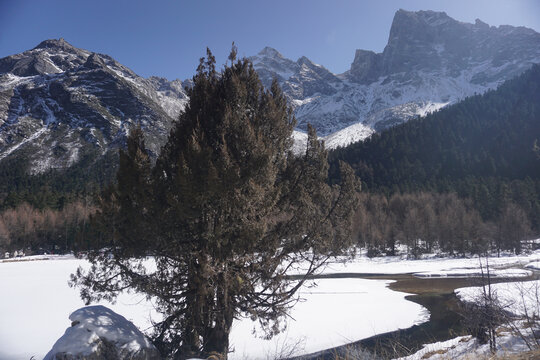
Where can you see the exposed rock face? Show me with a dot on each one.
(433, 41)
(59, 104)
(98, 333)
(366, 67)
(430, 61)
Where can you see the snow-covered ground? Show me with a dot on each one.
(38, 301)
(519, 298)
(433, 265)
(35, 312)
(468, 348)
(522, 299)
(334, 313)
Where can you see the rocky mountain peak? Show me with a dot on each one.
(405, 20)
(433, 41)
(56, 44)
(49, 57)
(269, 63)
(94, 61)
(366, 67)
(270, 52)
(58, 103)
(305, 61)
(480, 24)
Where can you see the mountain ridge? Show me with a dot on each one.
(59, 102)
(430, 61)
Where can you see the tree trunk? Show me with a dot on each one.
(191, 345)
(217, 342)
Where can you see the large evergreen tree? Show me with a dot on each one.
(226, 213)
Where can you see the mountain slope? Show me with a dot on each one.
(430, 61)
(484, 147)
(59, 103)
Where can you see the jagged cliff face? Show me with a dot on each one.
(430, 61)
(59, 103)
(428, 41)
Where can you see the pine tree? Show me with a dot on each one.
(230, 210)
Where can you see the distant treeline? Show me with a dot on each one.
(484, 148)
(424, 222)
(33, 230)
(427, 222)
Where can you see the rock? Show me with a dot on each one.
(99, 333)
(366, 67)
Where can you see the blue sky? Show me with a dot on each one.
(167, 37)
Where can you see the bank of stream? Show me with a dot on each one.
(435, 294)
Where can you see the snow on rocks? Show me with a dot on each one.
(98, 332)
(533, 265)
(467, 348)
(348, 135)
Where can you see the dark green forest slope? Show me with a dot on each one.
(484, 148)
(54, 188)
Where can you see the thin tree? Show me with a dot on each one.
(226, 214)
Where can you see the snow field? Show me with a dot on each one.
(468, 348)
(35, 313)
(37, 302)
(334, 312)
(519, 298)
(432, 265)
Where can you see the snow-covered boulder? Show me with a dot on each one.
(98, 332)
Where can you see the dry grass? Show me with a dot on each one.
(436, 352)
(528, 355)
(535, 354)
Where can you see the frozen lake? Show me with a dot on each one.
(37, 302)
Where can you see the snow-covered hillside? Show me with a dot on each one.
(430, 61)
(340, 138)
(60, 104)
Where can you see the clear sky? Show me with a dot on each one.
(167, 37)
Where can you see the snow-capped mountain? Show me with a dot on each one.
(340, 138)
(430, 61)
(59, 103)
